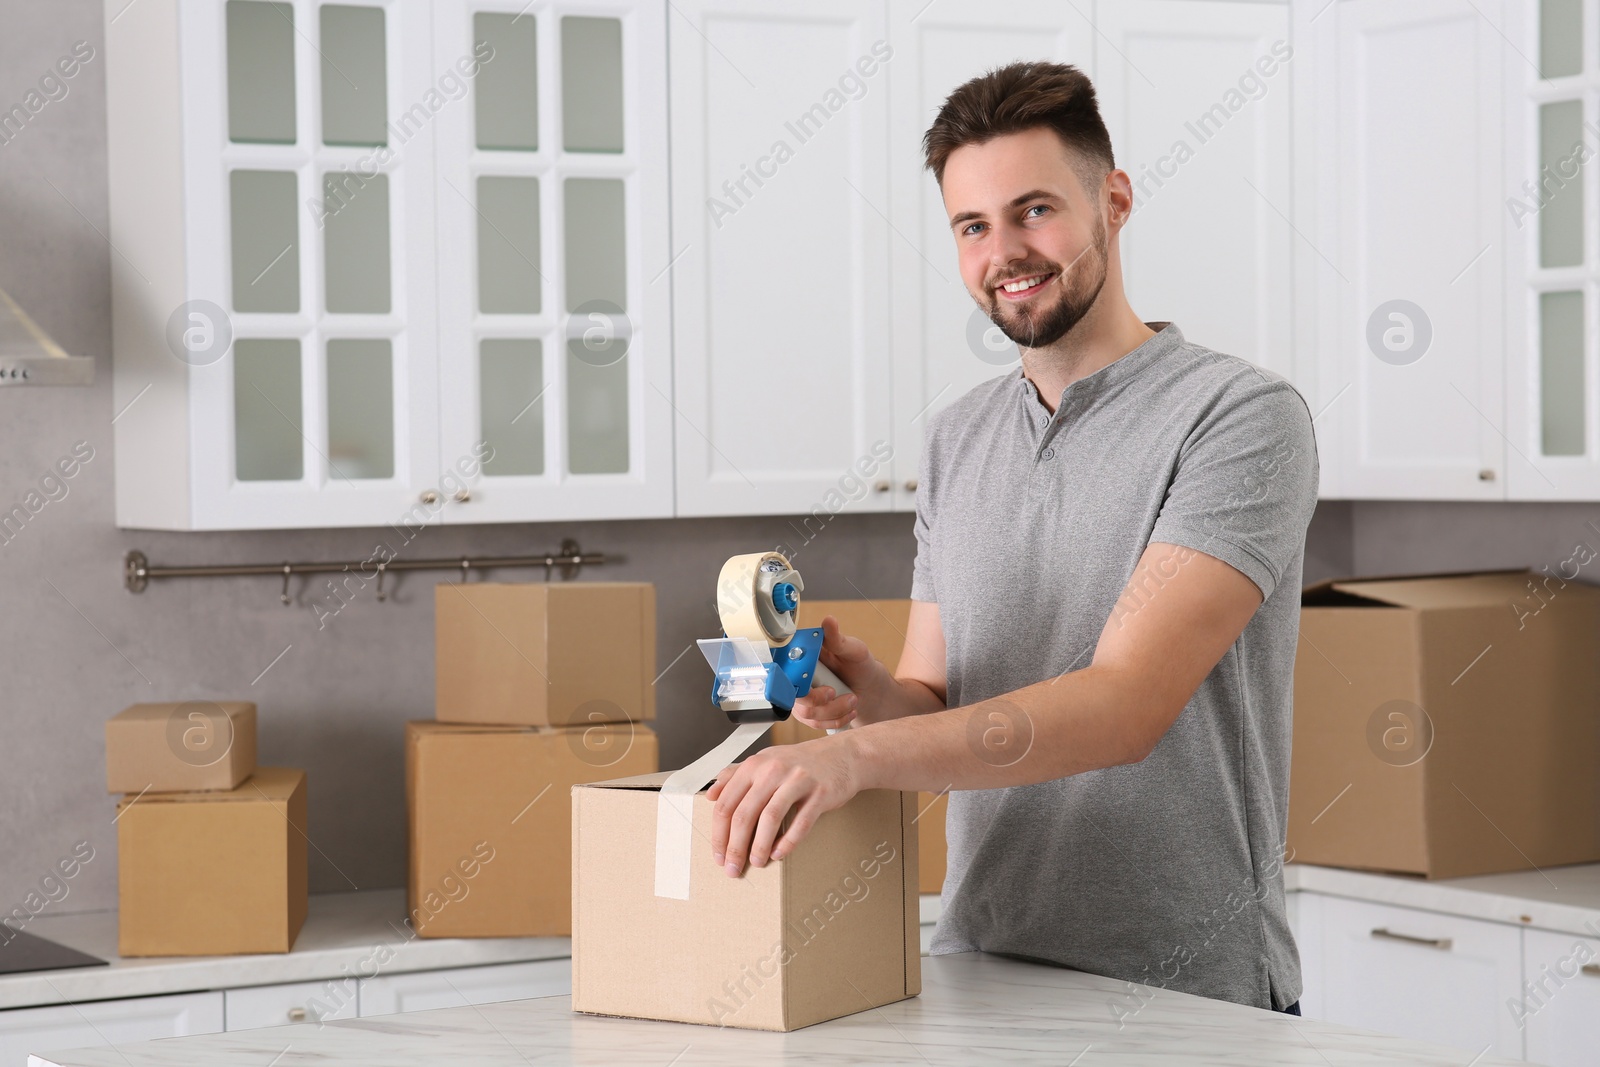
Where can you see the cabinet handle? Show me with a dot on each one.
(1591, 969)
(882, 487)
(1441, 943)
(429, 497)
(911, 485)
(1486, 475)
(463, 495)
(297, 1015)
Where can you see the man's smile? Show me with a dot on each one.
(1022, 288)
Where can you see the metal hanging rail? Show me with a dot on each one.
(138, 572)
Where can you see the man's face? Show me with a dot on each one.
(1032, 242)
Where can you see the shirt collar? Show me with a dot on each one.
(1167, 337)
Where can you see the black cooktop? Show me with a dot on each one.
(22, 951)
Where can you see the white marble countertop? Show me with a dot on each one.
(1563, 899)
(974, 1008)
(342, 930)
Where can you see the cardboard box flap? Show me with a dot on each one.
(637, 781)
(1420, 592)
(267, 783)
(160, 712)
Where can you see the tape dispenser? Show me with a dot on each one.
(765, 661)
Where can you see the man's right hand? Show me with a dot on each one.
(824, 708)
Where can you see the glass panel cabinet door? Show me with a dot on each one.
(1553, 232)
(309, 161)
(554, 285)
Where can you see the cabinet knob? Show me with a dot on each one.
(429, 497)
(463, 495)
(297, 1015)
(882, 487)
(911, 485)
(1486, 475)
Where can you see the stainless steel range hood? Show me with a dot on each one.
(29, 357)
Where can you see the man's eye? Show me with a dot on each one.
(1037, 207)
(972, 229)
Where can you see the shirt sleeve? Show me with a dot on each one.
(922, 586)
(1246, 484)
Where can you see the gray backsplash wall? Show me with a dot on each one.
(75, 647)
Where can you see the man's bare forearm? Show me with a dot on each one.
(1083, 721)
(887, 697)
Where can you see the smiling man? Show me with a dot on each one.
(1099, 659)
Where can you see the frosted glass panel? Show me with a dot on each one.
(360, 409)
(1561, 388)
(1561, 221)
(355, 238)
(596, 262)
(266, 243)
(1560, 37)
(597, 413)
(511, 406)
(260, 72)
(267, 442)
(354, 83)
(591, 84)
(508, 246)
(506, 89)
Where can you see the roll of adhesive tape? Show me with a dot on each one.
(744, 598)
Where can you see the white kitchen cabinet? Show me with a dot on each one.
(1196, 95)
(1553, 286)
(295, 1002)
(388, 262)
(1560, 1010)
(942, 344)
(24, 1031)
(554, 303)
(780, 274)
(422, 990)
(1407, 248)
(1417, 974)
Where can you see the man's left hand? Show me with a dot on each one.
(752, 798)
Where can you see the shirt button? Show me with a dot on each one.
(1044, 420)
(1049, 453)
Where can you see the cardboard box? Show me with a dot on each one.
(882, 625)
(545, 654)
(1447, 726)
(213, 874)
(180, 747)
(490, 816)
(830, 930)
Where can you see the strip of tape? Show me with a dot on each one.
(675, 808)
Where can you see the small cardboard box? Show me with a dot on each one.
(882, 625)
(180, 747)
(213, 874)
(830, 930)
(1447, 725)
(545, 654)
(490, 816)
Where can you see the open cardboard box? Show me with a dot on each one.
(828, 931)
(1447, 725)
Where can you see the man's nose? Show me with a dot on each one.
(1010, 246)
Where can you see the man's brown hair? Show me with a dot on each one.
(1024, 96)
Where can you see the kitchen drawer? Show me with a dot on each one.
(388, 994)
(105, 1022)
(1561, 1023)
(1419, 974)
(297, 1002)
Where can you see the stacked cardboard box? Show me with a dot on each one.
(540, 687)
(211, 848)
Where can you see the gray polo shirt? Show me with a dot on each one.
(1166, 872)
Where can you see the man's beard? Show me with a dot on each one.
(1078, 284)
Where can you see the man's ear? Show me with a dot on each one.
(1118, 190)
